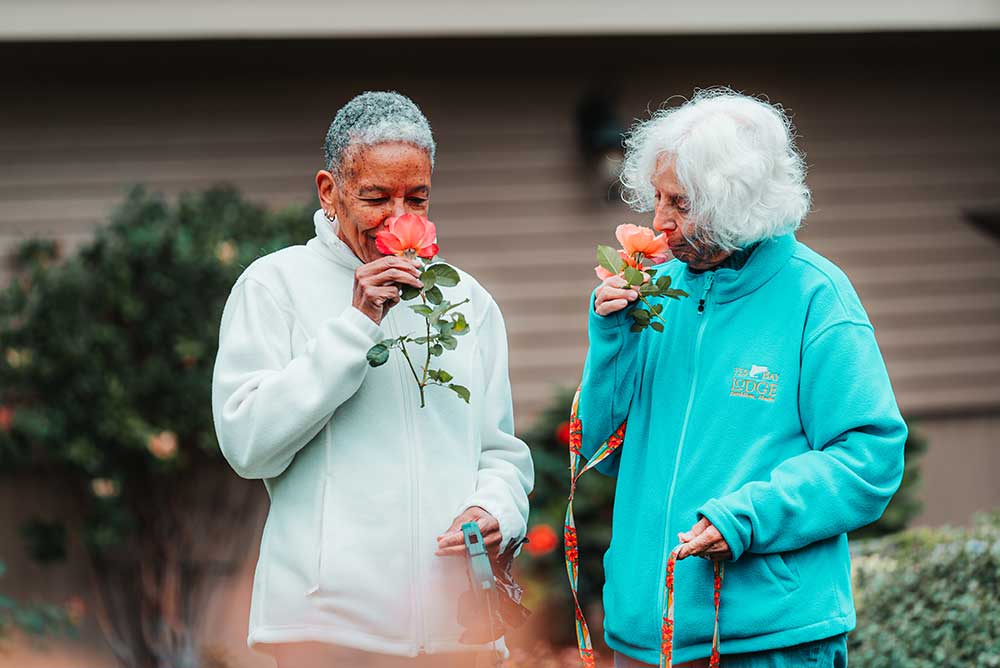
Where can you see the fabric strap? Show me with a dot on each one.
(572, 550)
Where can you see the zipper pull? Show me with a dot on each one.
(704, 295)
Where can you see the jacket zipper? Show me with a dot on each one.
(411, 455)
(667, 544)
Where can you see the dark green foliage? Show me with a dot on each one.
(106, 350)
(929, 598)
(46, 541)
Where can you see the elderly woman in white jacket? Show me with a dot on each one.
(358, 562)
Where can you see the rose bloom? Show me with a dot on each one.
(637, 239)
(542, 539)
(408, 234)
(163, 445)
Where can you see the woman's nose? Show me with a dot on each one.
(663, 223)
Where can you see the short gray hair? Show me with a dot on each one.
(736, 157)
(376, 118)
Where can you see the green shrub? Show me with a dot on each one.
(929, 598)
(106, 363)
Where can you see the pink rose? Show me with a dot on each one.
(408, 234)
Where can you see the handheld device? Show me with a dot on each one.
(481, 575)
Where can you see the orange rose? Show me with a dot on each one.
(408, 234)
(637, 239)
(542, 539)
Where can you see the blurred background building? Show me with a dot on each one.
(896, 104)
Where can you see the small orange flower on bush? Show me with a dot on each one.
(162, 445)
(6, 418)
(542, 539)
(408, 234)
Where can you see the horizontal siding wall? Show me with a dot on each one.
(899, 144)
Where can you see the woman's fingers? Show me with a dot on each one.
(610, 307)
(609, 298)
(388, 262)
(392, 275)
(702, 543)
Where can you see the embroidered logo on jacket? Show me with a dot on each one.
(757, 382)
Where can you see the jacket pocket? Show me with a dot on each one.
(781, 571)
(322, 539)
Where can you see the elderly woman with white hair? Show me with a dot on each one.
(760, 425)
(360, 558)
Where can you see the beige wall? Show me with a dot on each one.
(186, 19)
(960, 470)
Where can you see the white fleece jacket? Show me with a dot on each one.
(361, 479)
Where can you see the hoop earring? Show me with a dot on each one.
(328, 216)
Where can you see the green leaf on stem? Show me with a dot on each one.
(448, 341)
(422, 309)
(674, 294)
(444, 274)
(639, 315)
(651, 272)
(409, 292)
(443, 376)
(378, 355)
(435, 316)
(663, 282)
(437, 350)
(634, 276)
(637, 327)
(657, 325)
(461, 391)
(649, 290)
(434, 295)
(657, 309)
(427, 278)
(609, 258)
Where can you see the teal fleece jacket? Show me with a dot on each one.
(765, 407)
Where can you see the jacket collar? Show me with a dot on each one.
(328, 244)
(766, 260)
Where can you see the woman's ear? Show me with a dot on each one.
(328, 192)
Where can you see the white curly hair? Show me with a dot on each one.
(736, 158)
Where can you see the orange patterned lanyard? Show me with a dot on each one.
(573, 552)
